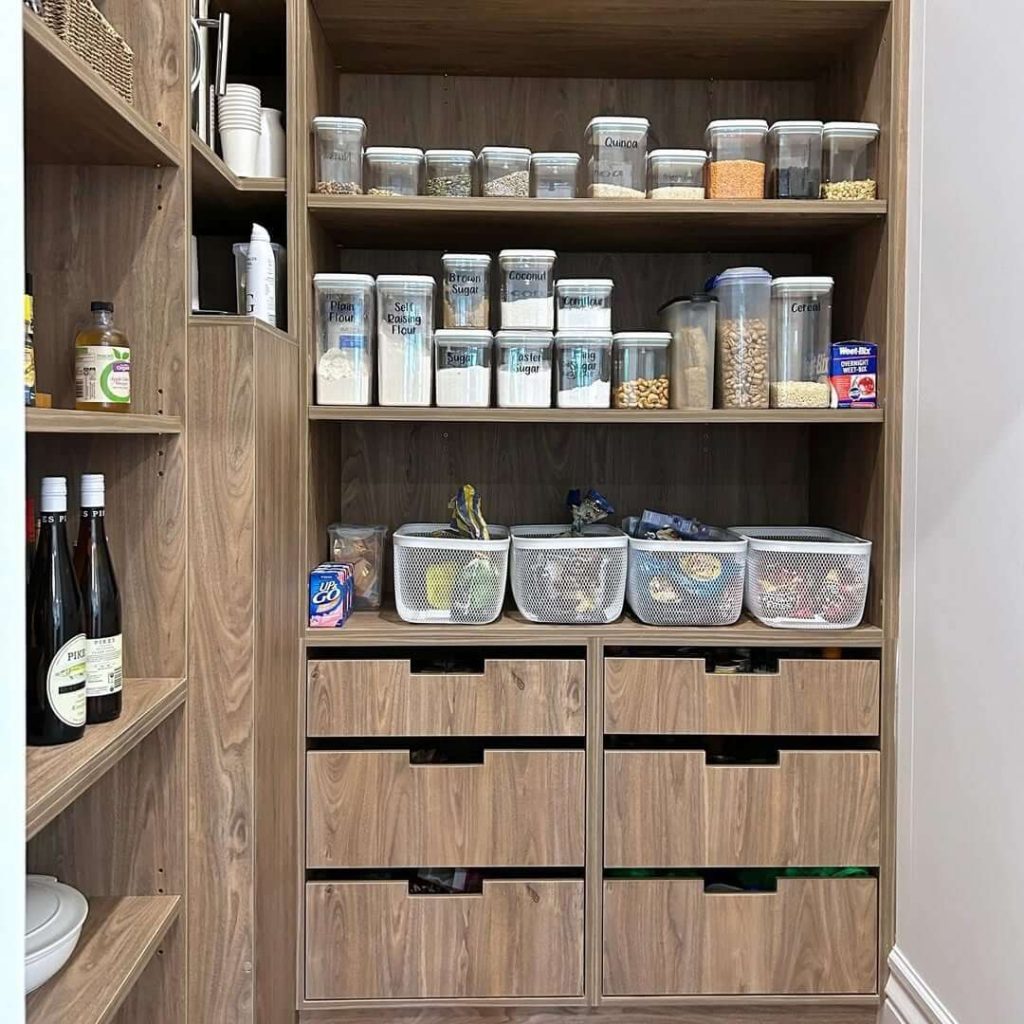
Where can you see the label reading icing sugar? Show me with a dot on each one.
(65, 682)
(103, 374)
(103, 666)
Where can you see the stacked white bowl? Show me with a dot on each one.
(238, 120)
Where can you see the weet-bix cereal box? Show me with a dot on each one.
(853, 375)
(331, 592)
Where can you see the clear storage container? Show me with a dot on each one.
(736, 158)
(362, 547)
(584, 303)
(794, 160)
(505, 171)
(466, 289)
(405, 337)
(344, 327)
(640, 369)
(463, 365)
(584, 369)
(849, 160)
(449, 172)
(692, 322)
(527, 289)
(744, 301)
(393, 171)
(339, 155)
(554, 175)
(617, 158)
(801, 335)
(524, 369)
(676, 174)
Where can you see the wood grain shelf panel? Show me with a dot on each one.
(120, 937)
(617, 225)
(213, 182)
(73, 421)
(72, 116)
(56, 776)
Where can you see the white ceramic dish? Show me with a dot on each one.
(54, 915)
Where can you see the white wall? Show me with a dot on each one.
(960, 879)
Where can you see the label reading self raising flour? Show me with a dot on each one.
(65, 682)
(103, 374)
(103, 666)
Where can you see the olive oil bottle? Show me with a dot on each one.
(103, 366)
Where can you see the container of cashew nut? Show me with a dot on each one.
(742, 362)
(640, 370)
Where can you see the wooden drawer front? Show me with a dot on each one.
(677, 695)
(385, 698)
(519, 808)
(668, 808)
(815, 936)
(372, 940)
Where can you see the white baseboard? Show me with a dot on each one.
(908, 999)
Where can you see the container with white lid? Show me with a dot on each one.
(849, 160)
(584, 303)
(462, 361)
(345, 326)
(794, 160)
(527, 288)
(742, 358)
(339, 155)
(584, 369)
(554, 175)
(466, 289)
(736, 158)
(405, 337)
(393, 171)
(640, 370)
(801, 334)
(617, 161)
(676, 173)
(54, 916)
(449, 172)
(505, 171)
(524, 369)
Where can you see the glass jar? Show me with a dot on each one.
(849, 160)
(741, 360)
(405, 337)
(449, 172)
(339, 155)
(617, 160)
(640, 368)
(584, 369)
(691, 320)
(584, 304)
(554, 175)
(527, 289)
(794, 160)
(676, 174)
(736, 158)
(801, 335)
(505, 171)
(524, 369)
(466, 287)
(462, 360)
(393, 171)
(344, 329)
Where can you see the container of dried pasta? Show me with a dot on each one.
(736, 158)
(691, 320)
(849, 160)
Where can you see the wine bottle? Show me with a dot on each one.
(55, 694)
(102, 606)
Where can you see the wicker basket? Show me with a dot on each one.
(79, 24)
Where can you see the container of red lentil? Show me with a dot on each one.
(736, 158)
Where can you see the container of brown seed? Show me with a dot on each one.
(449, 173)
(736, 158)
(339, 155)
(640, 362)
(742, 358)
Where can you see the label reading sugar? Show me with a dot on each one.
(65, 682)
(103, 374)
(103, 666)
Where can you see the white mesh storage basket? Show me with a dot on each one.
(557, 578)
(805, 577)
(449, 579)
(687, 582)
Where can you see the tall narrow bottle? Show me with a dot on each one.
(102, 606)
(103, 364)
(56, 640)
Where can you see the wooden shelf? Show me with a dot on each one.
(72, 421)
(72, 116)
(386, 629)
(120, 937)
(214, 183)
(590, 224)
(57, 776)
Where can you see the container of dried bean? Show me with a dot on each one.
(584, 369)
(339, 155)
(736, 158)
(505, 171)
(676, 174)
(617, 159)
(691, 320)
(584, 303)
(742, 361)
(849, 160)
(554, 175)
(393, 171)
(527, 289)
(640, 362)
(794, 160)
(801, 334)
(467, 289)
(449, 172)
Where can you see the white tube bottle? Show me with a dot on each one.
(260, 273)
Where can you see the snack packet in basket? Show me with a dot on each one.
(467, 519)
(591, 508)
(664, 526)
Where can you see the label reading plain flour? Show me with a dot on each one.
(103, 666)
(65, 682)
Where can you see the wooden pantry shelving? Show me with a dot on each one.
(73, 421)
(214, 182)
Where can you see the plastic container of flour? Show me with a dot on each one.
(462, 361)
(405, 337)
(584, 303)
(617, 157)
(527, 289)
(344, 326)
(524, 369)
(584, 369)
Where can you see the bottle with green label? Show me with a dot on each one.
(103, 365)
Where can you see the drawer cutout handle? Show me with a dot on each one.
(468, 665)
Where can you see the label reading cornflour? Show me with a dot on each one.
(65, 682)
(103, 374)
(103, 666)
